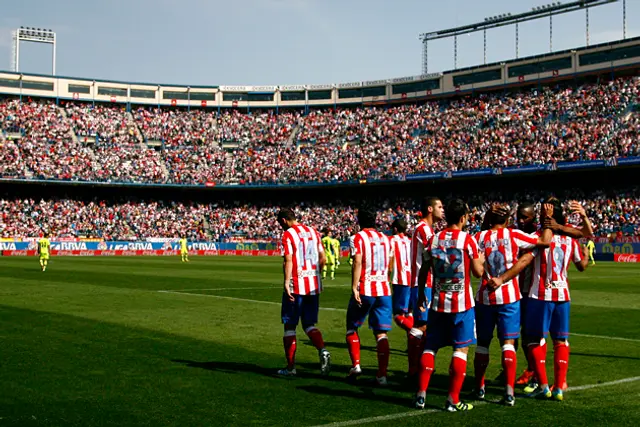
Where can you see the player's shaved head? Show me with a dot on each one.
(399, 226)
(525, 216)
(366, 217)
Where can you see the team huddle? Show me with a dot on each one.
(524, 292)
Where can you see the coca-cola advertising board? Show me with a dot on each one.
(626, 257)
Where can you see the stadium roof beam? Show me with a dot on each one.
(545, 11)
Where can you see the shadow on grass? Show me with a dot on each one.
(368, 348)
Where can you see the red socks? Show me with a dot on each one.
(427, 365)
(289, 341)
(353, 343)
(416, 347)
(457, 372)
(539, 355)
(383, 355)
(561, 364)
(480, 363)
(509, 366)
(404, 321)
(315, 336)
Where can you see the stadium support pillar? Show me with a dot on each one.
(517, 41)
(425, 56)
(485, 46)
(550, 33)
(218, 110)
(624, 19)
(587, 25)
(455, 52)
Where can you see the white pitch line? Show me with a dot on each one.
(418, 413)
(344, 311)
(604, 337)
(240, 299)
(590, 386)
(241, 289)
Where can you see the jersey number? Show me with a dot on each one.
(497, 263)
(558, 260)
(378, 257)
(447, 262)
(308, 252)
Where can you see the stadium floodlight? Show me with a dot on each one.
(33, 35)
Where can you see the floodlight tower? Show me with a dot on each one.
(505, 19)
(34, 35)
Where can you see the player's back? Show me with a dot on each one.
(451, 252)
(550, 278)
(44, 245)
(419, 239)
(183, 244)
(501, 248)
(375, 248)
(401, 252)
(304, 245)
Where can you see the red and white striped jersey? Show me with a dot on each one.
(401, 253)
(550, 282)
(304, 245)
(375, 249)
(501, 248)
(451, 252)
(421, 236)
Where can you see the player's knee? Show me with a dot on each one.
(380, 335)
(508, 347)
(309, 328)
(352, 332)
(416, 332)
(289, 333)
(290, 327)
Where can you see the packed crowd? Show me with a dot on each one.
(534, 126)
(110, 124)
(609, 213)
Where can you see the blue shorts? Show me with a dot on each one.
(450, 329)
(304, 307)
(379, 310)
(418, 315)
(506, 316)
(401, 299)
(545, 317)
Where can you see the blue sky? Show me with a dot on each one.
(264, 42)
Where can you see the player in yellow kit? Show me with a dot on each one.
(592, 248)
(43, 251)
(184, 249)
(327, 244)
(336, 252)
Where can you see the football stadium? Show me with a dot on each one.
(387, 252)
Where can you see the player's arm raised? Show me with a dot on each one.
(544, 240)
(587, 228)
(523, 261)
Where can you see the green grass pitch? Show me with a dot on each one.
(93, 342)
